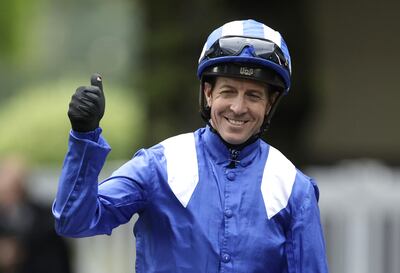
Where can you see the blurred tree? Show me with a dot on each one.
(175, 33)
(14, 17)
(43, 41)
(7, 11)
(35, 122)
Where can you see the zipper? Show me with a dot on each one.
(234, 154)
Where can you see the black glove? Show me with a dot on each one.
(87, 106)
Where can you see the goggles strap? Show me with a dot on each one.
(233, 46)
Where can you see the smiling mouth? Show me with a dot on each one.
(236, 122)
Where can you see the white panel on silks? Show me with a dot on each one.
(182, 167)
(277, 182)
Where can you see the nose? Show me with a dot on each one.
(238, 105)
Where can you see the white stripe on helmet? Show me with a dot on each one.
(232, 28)
(272, 35)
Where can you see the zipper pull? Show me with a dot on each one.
(234, 154)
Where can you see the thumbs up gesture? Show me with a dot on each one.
(87, 106)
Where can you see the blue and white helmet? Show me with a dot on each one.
(247, 49)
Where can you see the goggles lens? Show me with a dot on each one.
(233, 46)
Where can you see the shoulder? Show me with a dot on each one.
(277, 181)
(179, 151)
(283, 184)
(178, 142)
(181, 162)
(181, 140)
(305, 188)
(278, 164)
(174, 147)
(180, 145)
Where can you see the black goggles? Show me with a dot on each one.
(233, 46)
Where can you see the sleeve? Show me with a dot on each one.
(82, 206)
(306, 245)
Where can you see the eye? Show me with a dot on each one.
(255, 96)
(227, 92)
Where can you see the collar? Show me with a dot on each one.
(221, 153)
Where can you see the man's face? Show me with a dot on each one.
(238, 107)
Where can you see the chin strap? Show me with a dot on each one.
(267, 120)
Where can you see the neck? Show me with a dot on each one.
(237, 147)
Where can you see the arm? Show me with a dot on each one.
(82, 207)
(306, 246)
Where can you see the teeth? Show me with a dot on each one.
(236, 122)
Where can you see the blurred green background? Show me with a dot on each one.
(50, 48)
(343, 103)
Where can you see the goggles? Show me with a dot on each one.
(233, 46)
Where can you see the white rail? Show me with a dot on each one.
(360, 207)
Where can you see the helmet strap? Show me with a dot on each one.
(268, 116)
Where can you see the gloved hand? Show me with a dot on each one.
(87, 106)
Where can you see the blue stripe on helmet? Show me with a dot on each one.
(214, 36)
(253, 29)
(285, 51)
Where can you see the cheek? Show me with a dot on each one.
(219, 105)
(217, 110)
(262, 110)
(214, 111)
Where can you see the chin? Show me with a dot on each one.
(234, 140)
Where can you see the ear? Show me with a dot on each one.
(208, 93)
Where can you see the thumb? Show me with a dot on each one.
(96, 80)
